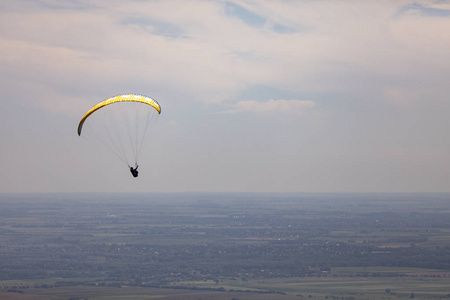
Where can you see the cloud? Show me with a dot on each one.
(348, 51)
(280, 105)
(147, 42)
(155, 27)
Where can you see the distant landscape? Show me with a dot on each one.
(225, 246)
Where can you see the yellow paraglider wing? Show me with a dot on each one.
(120, 98)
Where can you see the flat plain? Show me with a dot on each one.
(224, 246)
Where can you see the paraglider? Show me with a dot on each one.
(134, 171)
(121, 123)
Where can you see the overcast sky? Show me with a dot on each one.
(256, 96)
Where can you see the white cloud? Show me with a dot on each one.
(280, 105)
(216, 56)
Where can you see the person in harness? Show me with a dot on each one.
(134, 171)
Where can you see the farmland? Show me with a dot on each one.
(224, 246)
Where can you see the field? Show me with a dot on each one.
(225, 246)
(291, 288)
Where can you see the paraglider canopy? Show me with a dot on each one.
(120, 98)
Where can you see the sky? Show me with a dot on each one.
(256, 96)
